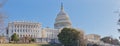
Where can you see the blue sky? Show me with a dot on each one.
(92, 16)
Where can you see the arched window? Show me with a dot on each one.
(17, 30)
(20, 30)
(15, 26)
(23, 30)
(12, 31)
(34, 26)
(20, 35)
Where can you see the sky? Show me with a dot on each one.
(92, 16)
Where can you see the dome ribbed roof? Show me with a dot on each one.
(62, 16)
(62, 19)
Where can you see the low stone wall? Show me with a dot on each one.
(22, 45)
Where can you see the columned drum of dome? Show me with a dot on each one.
(62, 20)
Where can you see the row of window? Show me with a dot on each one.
(51, 36)
(27, 35)
(26, 26)
(25, 31)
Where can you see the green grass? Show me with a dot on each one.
(22, 45)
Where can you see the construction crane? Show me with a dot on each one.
(2, 17)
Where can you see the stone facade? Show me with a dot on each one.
(24, 29)
(49, 35)
(93, 38)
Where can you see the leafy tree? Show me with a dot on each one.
(110, 40)
(15, 38)
(106, 39)
(95, 45)
(32, 40)
(71, 37)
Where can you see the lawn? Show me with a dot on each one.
(22, 45)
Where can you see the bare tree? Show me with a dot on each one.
(118, 23)
(2, 39)
(2, 17)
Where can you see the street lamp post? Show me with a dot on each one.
(110, 41)
(78, 42)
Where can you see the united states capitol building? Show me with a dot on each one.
(45, 35)
(35, 30)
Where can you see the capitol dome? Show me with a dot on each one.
(62, 20)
